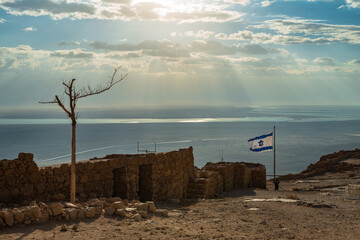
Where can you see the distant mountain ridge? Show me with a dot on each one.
(331, 163)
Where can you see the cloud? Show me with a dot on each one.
(297, 31)
(57, 10)
(127, 2)
(212, 47)
(203, 16)
(125, 55)
(162, 48)
(242, 2)
(77, 53)
(325, 61)
(306, 26)
(200, 34)
(245, 36)
(166, 48)
(266, 3)
(182, 12)
(353, 3)
(2, 20)
(63, 43)
(29, 29)
(355, 62)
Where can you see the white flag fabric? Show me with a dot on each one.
(262, 143)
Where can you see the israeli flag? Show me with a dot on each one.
(262, 143)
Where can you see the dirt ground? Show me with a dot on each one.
(304, 209)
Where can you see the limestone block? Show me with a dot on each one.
(21, 169)
(49, 171)
(113, 199)
(50, 187)
(56, 208)
(89, 212)
(89, 167)
(114, 163)
(64, 168)
(27, 190)
(72, 213)
(45, 216)
(18, 216)
(98, 210)
(40, 187)
(118, 205)
(60, 178)
(57, 171)
(35, 211)
(143, 214)
(136, 217)
(131, 210)
(84, 179)
(2, 224)
(26, 156)
(81, 214)
(162, 213)
(42, 205)
(71, 205)
(8, 217)
(96, 202)
(32, 167)
(120, 212)
(96, 177)
(151, 206)
(34, 177)
(109, 211)
(142, 207)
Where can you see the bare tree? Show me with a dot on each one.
(73, 96)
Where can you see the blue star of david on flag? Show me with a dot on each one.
(262, 143)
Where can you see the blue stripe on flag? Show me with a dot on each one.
(261, 149)
(261, 137)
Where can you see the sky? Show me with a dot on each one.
(181, 53)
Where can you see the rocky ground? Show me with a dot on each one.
(313, 208)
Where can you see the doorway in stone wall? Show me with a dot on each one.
(121, 182)
(145, 182)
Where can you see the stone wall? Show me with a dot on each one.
(239, 175)
(154, 176)
(157, 176)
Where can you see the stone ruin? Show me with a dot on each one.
(216, 178)
(144, 177)
(119, 184)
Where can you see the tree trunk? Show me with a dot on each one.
(73, 162)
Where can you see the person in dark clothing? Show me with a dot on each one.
(276, 182)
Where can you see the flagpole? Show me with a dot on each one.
(274, 156)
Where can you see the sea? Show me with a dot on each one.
(302, 135)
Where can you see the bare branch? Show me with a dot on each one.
(66, 84)
(101, 88)
(59, 102)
